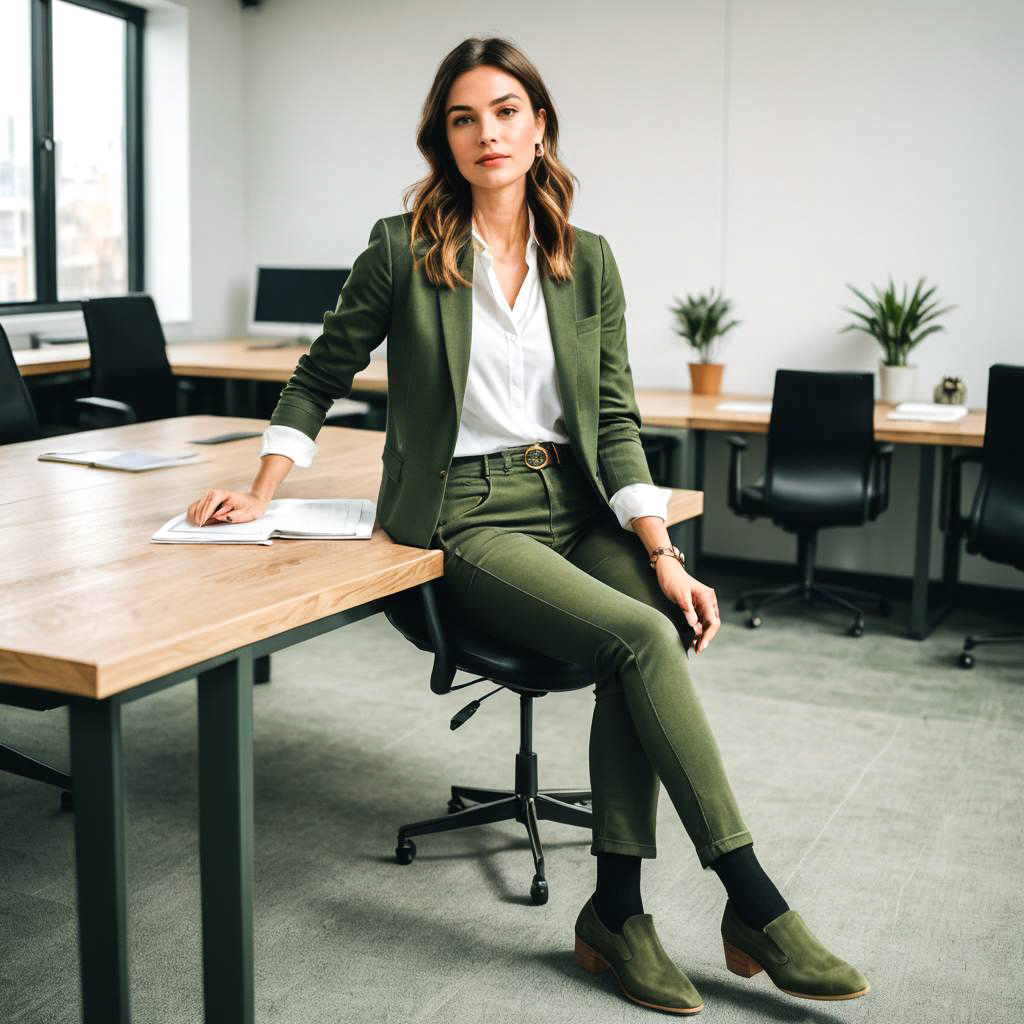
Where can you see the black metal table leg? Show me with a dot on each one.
(699, 451)
(98, 772)
(923, 619)
(232, 404)
(688, 472)
(922, 542)
(226, 839)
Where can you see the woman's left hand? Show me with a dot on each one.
(698, 602)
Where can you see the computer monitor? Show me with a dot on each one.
(291, 301)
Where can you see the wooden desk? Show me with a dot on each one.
(668, 407)
(90, 608)
(230, 359)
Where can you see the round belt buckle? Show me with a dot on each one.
(536, 456)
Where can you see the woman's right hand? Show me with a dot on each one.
(225, 507)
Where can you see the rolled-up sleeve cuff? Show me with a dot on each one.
(281, 440)
(635, 500)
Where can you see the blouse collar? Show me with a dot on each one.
(481, 247)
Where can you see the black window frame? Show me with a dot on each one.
(44, 186)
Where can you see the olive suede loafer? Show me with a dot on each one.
(791, 956)
(641, 966)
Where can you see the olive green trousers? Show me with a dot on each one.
(534, 557)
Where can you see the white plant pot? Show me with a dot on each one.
(896, 383)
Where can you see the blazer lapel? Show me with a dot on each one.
(560, 299)
(456, 307)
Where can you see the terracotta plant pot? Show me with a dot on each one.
(706, 378)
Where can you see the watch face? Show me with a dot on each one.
(536, 458)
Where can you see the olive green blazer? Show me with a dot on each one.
(428, 331)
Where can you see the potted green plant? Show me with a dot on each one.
(701, 320)
(898, 324)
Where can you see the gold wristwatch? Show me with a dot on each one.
(673, 551)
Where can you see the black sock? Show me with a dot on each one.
(753, 894)
(617, 896)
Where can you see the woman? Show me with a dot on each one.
(513, 446)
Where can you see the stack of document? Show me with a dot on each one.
(315, 519)
(927, 412)
(116, 458)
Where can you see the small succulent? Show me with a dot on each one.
(897, 323)
(701, 320)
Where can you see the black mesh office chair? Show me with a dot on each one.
(823, 468)
(994, 528)
(131, 377)
(418, 615)
(18, 423)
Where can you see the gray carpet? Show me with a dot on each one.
(881, 782)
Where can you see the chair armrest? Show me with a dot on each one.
(103, 412)
(443, 672)
(881, 467)
(950, 515)
(737, 446)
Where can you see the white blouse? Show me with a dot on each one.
(512, 396)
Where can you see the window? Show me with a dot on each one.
(70, 152)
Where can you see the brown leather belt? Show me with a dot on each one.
(537, 456)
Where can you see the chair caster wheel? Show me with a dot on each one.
(539, 891)
(857, 629)
(455, 805)
(966, 660)
(754, 621)
(884, 608)
(405, 851)
(67, 801)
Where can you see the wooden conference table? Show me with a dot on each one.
(236, 360)
(92, 610)
(230, 359)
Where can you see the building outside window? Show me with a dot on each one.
(70, 151)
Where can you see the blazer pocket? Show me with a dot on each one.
(590, 323)
(392, 463)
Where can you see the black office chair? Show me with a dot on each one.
(994, 528)
(823, 468)
(18, 423)
(131, 377)
(418, 615)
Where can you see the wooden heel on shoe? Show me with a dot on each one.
(588, 959)
(740, 963)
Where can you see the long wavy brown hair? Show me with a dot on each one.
(442, 201)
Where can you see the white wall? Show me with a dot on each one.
(779, 149)
(220, 266)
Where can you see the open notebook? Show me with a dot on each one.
(297, 519)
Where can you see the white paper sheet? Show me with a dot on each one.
(927, 412)
(736, 406)
(115, 458)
